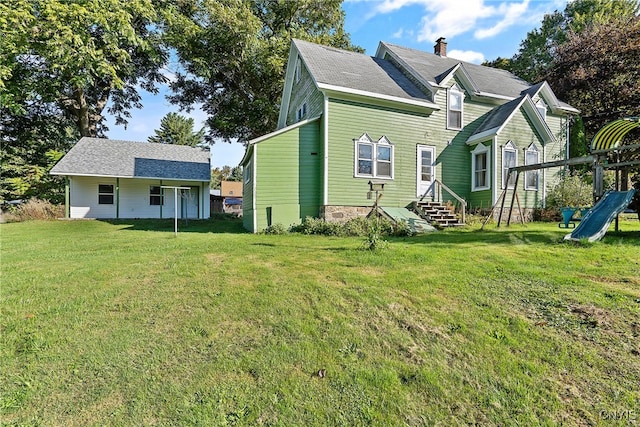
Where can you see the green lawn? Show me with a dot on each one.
(120, 324)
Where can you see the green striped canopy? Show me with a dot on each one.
(612, 133)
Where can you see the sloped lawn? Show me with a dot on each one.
(120, 324)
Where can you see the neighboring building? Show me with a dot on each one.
(228, 198)
(124, 179)
(404, 118)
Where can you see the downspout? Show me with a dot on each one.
(161, 198)
(568, 135)
(544, 177)
(67, 197)
(325, 178)
(117, 198)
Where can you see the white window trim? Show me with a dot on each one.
(456, 90)
(480, 149)
(383, 141)
(533, 148)
(511, 147)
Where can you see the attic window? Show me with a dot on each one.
(301, 112)
(455, 99)
(374, 159)
(298, 71)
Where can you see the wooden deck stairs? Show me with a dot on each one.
(437, 214)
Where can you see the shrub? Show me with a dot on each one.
(374, 240)
(35, 209)
(355, 227)
(571, 190)
(276, 229)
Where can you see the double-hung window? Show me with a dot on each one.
(531, 156)
(509, 160)
(156, 198)
(480, 167)
(105, 194)
(454, 108)
(373, 158)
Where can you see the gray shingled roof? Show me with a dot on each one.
(357, 71)
(486, 79)
(498, 116)
(128, 159)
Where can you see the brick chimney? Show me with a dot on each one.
(440, 48)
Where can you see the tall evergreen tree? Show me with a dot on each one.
(178, 130)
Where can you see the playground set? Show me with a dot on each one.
(608, 151)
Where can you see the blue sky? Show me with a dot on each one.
(475, 30)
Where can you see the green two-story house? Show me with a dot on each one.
(405, 118)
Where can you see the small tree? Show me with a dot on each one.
(571, 190)
(178, 130)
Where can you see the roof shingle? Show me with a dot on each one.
(128, 159)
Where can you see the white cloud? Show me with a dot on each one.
(512, 12)
(448, 18)
(466, 55)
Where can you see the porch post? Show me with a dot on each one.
(117, 198)
(67, 198)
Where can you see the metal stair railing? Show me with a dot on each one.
(436, 191)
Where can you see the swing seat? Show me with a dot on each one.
(567, 216)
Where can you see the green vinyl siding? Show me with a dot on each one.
(519, 130)
(305, 91)
(405, 130)
(247, 190)
(288, 176)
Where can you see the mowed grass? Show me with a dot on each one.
(121, 323)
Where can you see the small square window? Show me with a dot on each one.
(105, 194)
(156, 198)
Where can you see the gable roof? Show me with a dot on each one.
(344, 71)
(128, 159)
(433, 69)
(499, 117)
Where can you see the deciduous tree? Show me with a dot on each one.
(234, 55)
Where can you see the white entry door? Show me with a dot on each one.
(426, 169)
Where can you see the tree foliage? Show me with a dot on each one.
(226, 173)
(597, 70)
(178, 130)
(537, 50)
(78, 55)
(31, 143)
(234, 55)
